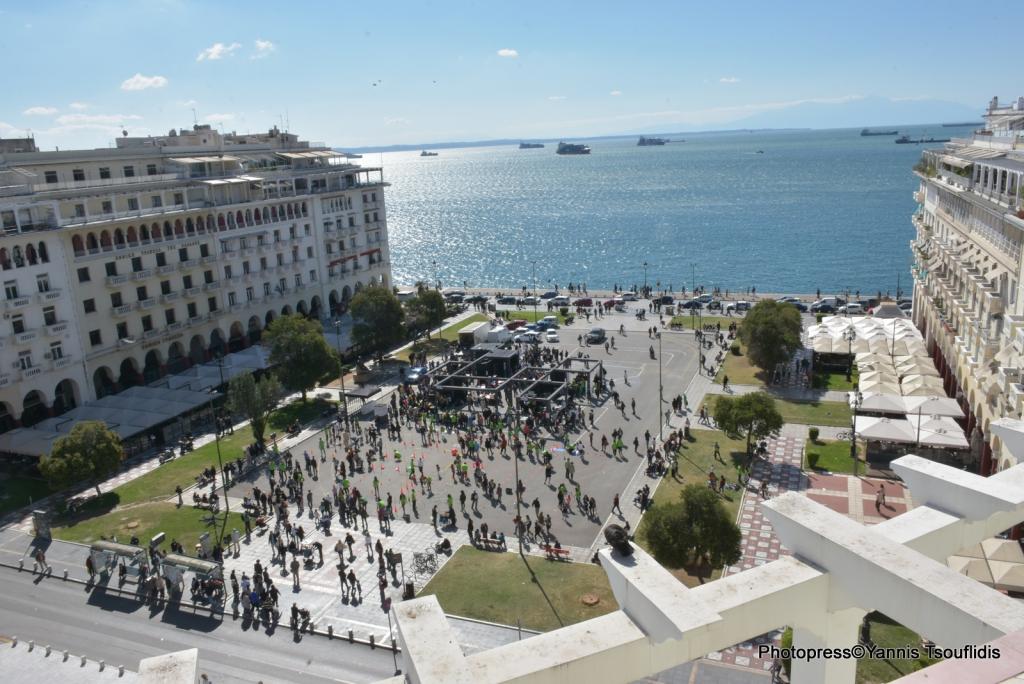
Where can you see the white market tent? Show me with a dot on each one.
(880, 402)
(934, 406)
(885, 429)
(139, 408)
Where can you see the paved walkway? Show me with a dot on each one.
(788, 393)
(852, 496)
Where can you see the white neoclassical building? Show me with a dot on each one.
(123, 264)
(969, 274)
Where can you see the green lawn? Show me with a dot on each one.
(496, 587)
(889, 634)
(160, 483)
(832, 413)
(689, 322)
(835, 381)
(145, 520)
(437, 343)
(16, 492)
(740, 370)
(833, 455)
(696, 461)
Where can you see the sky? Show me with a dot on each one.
(356, 74)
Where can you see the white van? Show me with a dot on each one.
(560, 300)
(628, 297)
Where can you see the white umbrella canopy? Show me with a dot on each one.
(942, 437)
(1006, 550)
(880, 386)
(883, 374)
(973, 551)
(885, 429)
(975, 568)
(881, 402)
(822, 344)
(1007, 576)
(911, 383)
(915, 365)
(873, 357)
(933, 406)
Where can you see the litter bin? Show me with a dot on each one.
(410, 592)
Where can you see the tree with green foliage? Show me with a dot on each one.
(90, 452)
(749, 416)
(300, 352)
(254, 400)
(428, 310)
(771, 333)
(695, 529)
(379, 319)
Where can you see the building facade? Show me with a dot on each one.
(122, 265)
(968, 273)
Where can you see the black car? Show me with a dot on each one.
(823, 308)
(801, 307)
(690, 304)
(506, 300)
(714, 305)
(476, 299)
(667, 299)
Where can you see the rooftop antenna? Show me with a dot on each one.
(287, 121)
(195, 118)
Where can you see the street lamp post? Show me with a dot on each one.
(534, 290)
(220, 462)
(661, 394)
(858, 399)
(344, 398)
(850, 335)
(645, 279)
(437, 283)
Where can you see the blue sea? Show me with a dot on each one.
(782, 211)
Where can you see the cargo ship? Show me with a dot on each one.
(644, 142)
(424, 153)
(906, 140)
(570, 148)
(530, 146)
(868, 131)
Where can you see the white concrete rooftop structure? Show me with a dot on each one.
(840, 570)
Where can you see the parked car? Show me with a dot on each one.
(528, 300)
(528, 337)
(825, 308)
(550, 321)
(691, 304)
(516, 323)
(666, 299)
(705, 298)
(476, 299)
(551, 336)
(800, 306)
(453, 298)
(628, 297)
(507, 299)
(596, 336)
(549, 294)
(832, 303)
(560, 300)
(737, 306)
(851, 308)
(413, 375)
(714, 305)
(584, 301)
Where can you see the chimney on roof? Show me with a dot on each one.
(993, 103)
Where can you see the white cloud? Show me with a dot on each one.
(217, 51)
(615, 93)
(508, 52)
(556, 97)
(728, 79)
(101, 119)
(10, 131)
(397, 121)
(140, 82)
(219, 118)
(40, 111)
(79, 106)
(263, 48)
(186, 103)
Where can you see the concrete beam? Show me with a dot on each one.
(430, 652)
(661, 605)
(923, 594)
(956, 491)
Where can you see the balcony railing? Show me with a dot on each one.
(27, 336)
(207, 287)
(147, 303)
(50, 295)
(169, 297)
(62, 362)
(143, 274)
(166, 268)
(192, 291)
(18, 302)
(56, 328)
(124, 309)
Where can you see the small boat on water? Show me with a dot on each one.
(646, 142)
(571, 148)
(424, 153)
(868, 131)
(530, 146)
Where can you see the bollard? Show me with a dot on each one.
(65, 574)
(31, 644)
(120, 670)
(103, 664)
(47, 649)
(65, 656)
(351, 636)
(21, 564)
(14, 641)
(330, 631)
(83, 661)
(372, 641)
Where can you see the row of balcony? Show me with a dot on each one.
(18, 374)
(56, 329)
(24, 300)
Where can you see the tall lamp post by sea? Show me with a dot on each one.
(220, 462)
(661, 392)
(534, 262)
(855, 403)
(344, 397)
(850, 335)
(645, 279)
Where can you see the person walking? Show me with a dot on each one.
(295, 572)
(615, 505)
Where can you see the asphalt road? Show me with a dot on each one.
(122, 631)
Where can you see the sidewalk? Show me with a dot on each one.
(789, 393)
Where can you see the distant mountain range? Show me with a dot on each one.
(853, 113)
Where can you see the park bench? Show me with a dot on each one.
(489, 544)
(555, 553)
